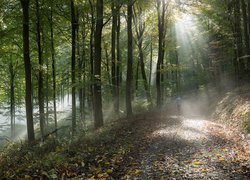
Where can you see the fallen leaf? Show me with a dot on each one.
(137, 171)
(221, 159)
(109, 171)
(196, 163)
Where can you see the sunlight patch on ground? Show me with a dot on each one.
(186, 129)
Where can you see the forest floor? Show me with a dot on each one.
(153, 145)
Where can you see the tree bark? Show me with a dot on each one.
(40, 74)
(98, 115)
(118, 56)
(130, 60)
(238, 38)
(140, 28)
(53, 62)
(161, 7)
(27, 65)
(12, 99)
(246, 26)
(113, 57)
(73, 59)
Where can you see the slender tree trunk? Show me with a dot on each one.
(12, 99)
(246, 26)
(98, 116)
(73, 68)
(238, 36)
(161, 24)
(28, 81)
(140, 28)
(113, 57)
(137, 76)
(130, 60)
(248, 9)
(53, 62)
(40, 75)
(151, 63)
(80, 69)
(91, 45)
(107, 67)
(118, 56)
(84, 77)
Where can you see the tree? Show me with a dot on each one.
(161, 11)
(28, 82)
(98, 116)
(113, 57)
(53, 61)
(130, 59)
(73, 64)
(40, 76)
(140, 29)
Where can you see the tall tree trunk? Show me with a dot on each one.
(151, 63)
(53, 62)
(80, 69)
(246, 26)
(137, 76)
(161, 8)
(248, 9)
(113, 56)
(118, 56)
(12, 98)
(73, 68)
(238, 37)
(40, 74)
(27, 65)
(91, 46)
(84, 76)
(107, 67)
(140, 28)
(130, 60)
(98, 116)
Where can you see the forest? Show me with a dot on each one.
(125, 89)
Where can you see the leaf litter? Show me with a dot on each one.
(150, 146)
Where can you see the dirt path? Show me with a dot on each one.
(188, 148)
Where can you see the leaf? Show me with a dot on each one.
(196, 163)
(107, 163)
(203, 171)
(109, 171)
(92, 178)
(137, 171)
(221, 159)
(27, 177)
(45, 174)
(224, 149)
(218, 155)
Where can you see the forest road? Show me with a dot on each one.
(180, 147)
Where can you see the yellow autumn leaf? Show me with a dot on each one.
(109, 171)
(161, 178)
(224, 149)
(92, 178)
(100, 175)
(27, 177)
(137, 171)
(221, 159)
(107, 163)
(218, 155)
(203, 171)
(196, 163)
(45, 174)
